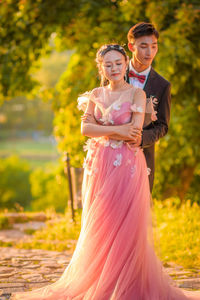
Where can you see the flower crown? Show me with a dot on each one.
(107, 48)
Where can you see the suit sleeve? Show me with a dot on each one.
(160, 126)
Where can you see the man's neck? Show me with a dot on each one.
(137, 66)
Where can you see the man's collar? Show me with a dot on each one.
(145, 72)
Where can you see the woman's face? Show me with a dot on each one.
(114, 66)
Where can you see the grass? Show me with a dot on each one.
(177, 233)
(59, 235)
(7, 221)
(37, 152)
(4, 222)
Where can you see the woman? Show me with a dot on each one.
(114, 258)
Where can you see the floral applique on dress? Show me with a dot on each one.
(118, 160)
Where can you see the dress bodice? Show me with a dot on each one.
(116, 108)
(112, 107)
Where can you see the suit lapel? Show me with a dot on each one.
(148, 85)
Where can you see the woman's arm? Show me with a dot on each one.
(139, 103)
(138, 108)
(126, 131)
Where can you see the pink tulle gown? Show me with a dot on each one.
(114, 258)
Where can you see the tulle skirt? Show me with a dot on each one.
(114, 258)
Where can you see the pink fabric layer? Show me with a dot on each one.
(114, 258)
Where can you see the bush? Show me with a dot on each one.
(15, 190)
(49, 189)
(177, 230)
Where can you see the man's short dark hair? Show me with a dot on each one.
(141, 29)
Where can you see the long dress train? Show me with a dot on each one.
(114, 258)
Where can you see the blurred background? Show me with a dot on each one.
(47, 58)
(47, 51)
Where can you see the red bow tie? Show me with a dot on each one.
(141, 78)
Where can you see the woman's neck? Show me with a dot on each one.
(117, 85)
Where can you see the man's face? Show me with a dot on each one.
(144, 49)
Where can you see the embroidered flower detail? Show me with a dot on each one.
(118, 160)
(154, 100)
(148, 171)
(128, 162)
(116, 144)
(136, 151)
(106, 144)
(82, 101)
(136, 108)
(133, 169)
(87, 145)
(85, 162)
(107, 119)
(153, 116)
(103, 120)
(116, 106)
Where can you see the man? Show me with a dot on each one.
(142, 42)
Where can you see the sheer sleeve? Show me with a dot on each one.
(83, 99)
(138, 108)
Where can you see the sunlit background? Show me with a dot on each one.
(47, 58)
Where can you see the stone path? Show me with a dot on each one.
(22, 270)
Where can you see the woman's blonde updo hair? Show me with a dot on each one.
(100, 54)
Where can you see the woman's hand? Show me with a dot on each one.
(128, 132)
(88, 118)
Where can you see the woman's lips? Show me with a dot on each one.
(115, 74)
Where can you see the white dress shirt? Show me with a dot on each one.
(134, 81)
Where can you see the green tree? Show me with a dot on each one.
(26, 27)
(83, 26)
(47, 186)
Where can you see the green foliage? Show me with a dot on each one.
(85, 25)
(26, 27)
(179, 154)
(59, 235)
(51, 68)
(49, 189)
(178, 232)
(15, 187)
(36, 189)
(62, 229)
(4, 222)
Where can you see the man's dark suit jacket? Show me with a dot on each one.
(157, 87)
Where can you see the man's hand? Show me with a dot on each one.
(136, 142)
